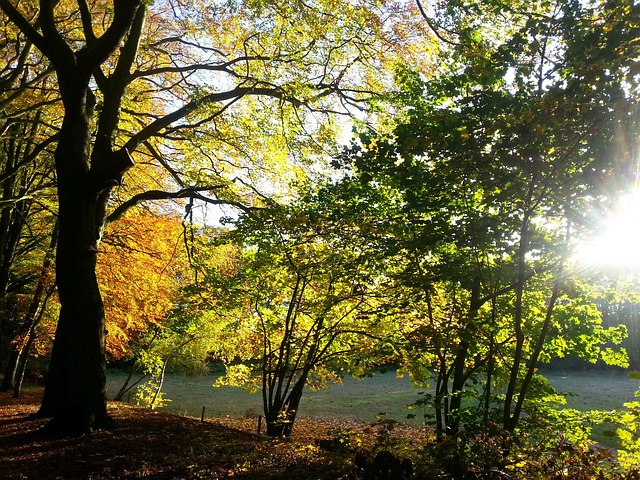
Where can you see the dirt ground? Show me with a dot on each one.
(154, 445)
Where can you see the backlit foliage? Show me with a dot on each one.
(141, 268)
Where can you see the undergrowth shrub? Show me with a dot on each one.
(148, 395)
(535, 452)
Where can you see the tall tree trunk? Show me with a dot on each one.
(490, 362)
(533, 361)
(75, 389)
(523, 248)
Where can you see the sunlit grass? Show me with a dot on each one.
(364, 399)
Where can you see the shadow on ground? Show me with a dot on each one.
(151, 445)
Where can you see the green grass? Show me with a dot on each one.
(596, 391)
(353, 400)
(364, 399)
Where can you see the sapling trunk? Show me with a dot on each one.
(533, 361)
(26, 350)
(156, 394)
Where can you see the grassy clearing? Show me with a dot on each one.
(594, 390)
(353, 400)
(364, 399)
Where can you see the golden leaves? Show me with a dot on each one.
(139, 267)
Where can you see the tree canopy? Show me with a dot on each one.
(189, 164)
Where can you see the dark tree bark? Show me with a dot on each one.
(280, 415)
(75, 390)
(533, 361)
(523, 248)
(460, 374)
(441, 398)
(285, 371)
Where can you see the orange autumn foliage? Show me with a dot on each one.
(140, 265)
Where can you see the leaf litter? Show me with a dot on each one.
(157, 445)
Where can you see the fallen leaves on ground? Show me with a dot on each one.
(156, 445)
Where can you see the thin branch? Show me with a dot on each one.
(14, 73)
(23, 24)
(158, 156)
(224, 67)
(11, 201)
(23, 89)
(30, 158)
(184, 42)
(433, 28)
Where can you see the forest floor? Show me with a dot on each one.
(158, 446)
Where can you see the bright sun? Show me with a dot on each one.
(619, 243)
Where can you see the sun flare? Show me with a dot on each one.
(618, 244)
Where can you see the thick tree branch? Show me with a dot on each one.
(114, 87)
(53, 45)
(108, 172)
(87, 21)
(91, 57)
(130, 50)
(163, 122)
(190, 192)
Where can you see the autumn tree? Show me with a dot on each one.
(144, 255)
(112, 60)
(142, 267)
